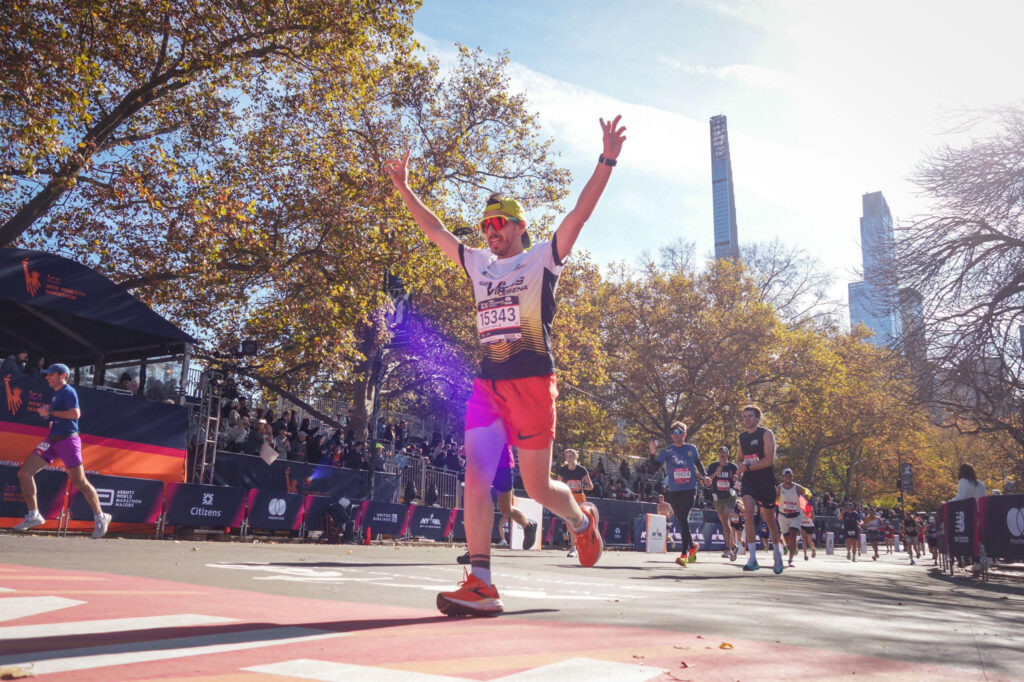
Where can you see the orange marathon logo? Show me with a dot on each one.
(14, 399)
(53, 285)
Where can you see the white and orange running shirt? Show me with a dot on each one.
(515, 304)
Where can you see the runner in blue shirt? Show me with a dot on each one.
(64, 442)
(682, 467)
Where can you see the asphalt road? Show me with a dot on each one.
(885, 609)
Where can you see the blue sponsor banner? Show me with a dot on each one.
(192, 504)
(429, 522)
(127, 500)
(385, 518)
(616, 533)
(274, 510)
(51, 485)
(249, 471)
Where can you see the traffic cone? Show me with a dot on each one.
(367, 540)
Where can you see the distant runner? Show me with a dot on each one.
(682, 468)
(756, 469)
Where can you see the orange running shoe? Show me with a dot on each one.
(473, 598)
(589, 544)
(692, 556)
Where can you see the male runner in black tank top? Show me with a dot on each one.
(756, 468)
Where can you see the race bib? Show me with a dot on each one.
(682, 475)
(575, 485)
(751, 459)
(43, 447)
(789, 507)
(497, 319)
(722, 484)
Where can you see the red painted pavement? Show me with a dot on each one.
(400, 638)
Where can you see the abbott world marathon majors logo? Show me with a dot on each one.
(276, 509)
(1015, 524)
(205, 510)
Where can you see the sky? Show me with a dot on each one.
(825, 101)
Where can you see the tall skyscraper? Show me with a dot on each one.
(726, 243)
(875, 301)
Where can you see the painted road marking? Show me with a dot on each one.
(329, 671)
(569, 669)
(13, 608)
(594, 591)
(90, 627)
(87, 658)
(588, 669)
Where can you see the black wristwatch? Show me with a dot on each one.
(607, 162)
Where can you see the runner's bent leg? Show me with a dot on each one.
(508, 508)
(78, 479)
(535, 467)
(32, 465)
(749, 505)
(483, 445)
(682, 502)
(768, 513)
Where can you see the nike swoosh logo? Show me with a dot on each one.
(520, 436)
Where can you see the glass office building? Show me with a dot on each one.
(726, 244)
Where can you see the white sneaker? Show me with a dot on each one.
(30, 522)
(572, 553)
(503, 543)
(100, 526)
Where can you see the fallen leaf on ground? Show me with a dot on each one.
(725, 645)
(15, 672)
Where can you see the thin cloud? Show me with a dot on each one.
(746, 74)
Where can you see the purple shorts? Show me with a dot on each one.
(68, 449)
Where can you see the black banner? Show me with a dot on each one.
(249, 471)
(384, 518)
(314, 508)
(429, 522)
(51, 485)
(616, 533)
(127, 500)
(962, 528)
(191, 504)
(1001, 518)
(274, 510)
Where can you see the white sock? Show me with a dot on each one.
(34, 514)
(752, 548)
(97, 517)
(483, 574)
(778, 550)
(583, 526)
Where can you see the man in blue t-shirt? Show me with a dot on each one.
(63, 441)
(682, 466)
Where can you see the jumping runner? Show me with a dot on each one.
(682, 466)
(513, 398)
(63, 441)
(757, 484)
